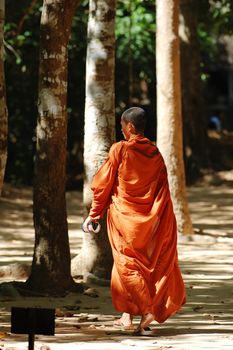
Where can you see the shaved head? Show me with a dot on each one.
(135, 116)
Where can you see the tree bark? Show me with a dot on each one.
(95, 258)
(194, 124)
(51, 261)
(3, 108)
(169, 120)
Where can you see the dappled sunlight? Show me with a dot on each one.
(212, 209)
(17, 229)
(22, 233)
(204, 322)
(74, 220)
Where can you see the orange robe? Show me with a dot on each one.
(132, 184)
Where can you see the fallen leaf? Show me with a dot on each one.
(91, 292)
(92, 326)
(82, 318)
(3, 335)
(59, 313)
(196, 308)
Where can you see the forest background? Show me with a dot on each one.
(135, 81)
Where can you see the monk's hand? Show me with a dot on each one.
(90, 226)
(86, 223)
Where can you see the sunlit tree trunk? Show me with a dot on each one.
(169, 120)
(130, 57)
(95, 259)
(3, 108)
(51, 260)
(194, 132)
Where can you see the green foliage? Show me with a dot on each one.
(215, 19)
(135, 44)
(221, 13)
(135, 48)
(21, 69)
(135, 28)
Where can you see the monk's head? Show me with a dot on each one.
(133, 122)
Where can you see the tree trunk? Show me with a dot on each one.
(195, 142)
(130, 59)
(169, 121)
(3, 108)
(95, 259)
(51, 260)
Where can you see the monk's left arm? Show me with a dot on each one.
(103, 183)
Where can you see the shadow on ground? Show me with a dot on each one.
(85, 322)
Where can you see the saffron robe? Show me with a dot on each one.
(142, 229)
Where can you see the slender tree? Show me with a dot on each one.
(194, 125)
(95, 258)
(169, 128)
(51, 260)
(3, 108)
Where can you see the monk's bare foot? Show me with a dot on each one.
(125, 321)
(145, 322)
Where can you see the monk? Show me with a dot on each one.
(132, 185)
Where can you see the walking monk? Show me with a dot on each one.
(132, 185)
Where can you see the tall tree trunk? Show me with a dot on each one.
(169, 121)
(95, 259)
(51, 260)
(195, 142)
(130, 58)
(3, 108)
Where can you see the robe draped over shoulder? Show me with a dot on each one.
(133, 185)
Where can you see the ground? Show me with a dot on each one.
(85, 321)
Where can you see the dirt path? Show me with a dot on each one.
(205, 322)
